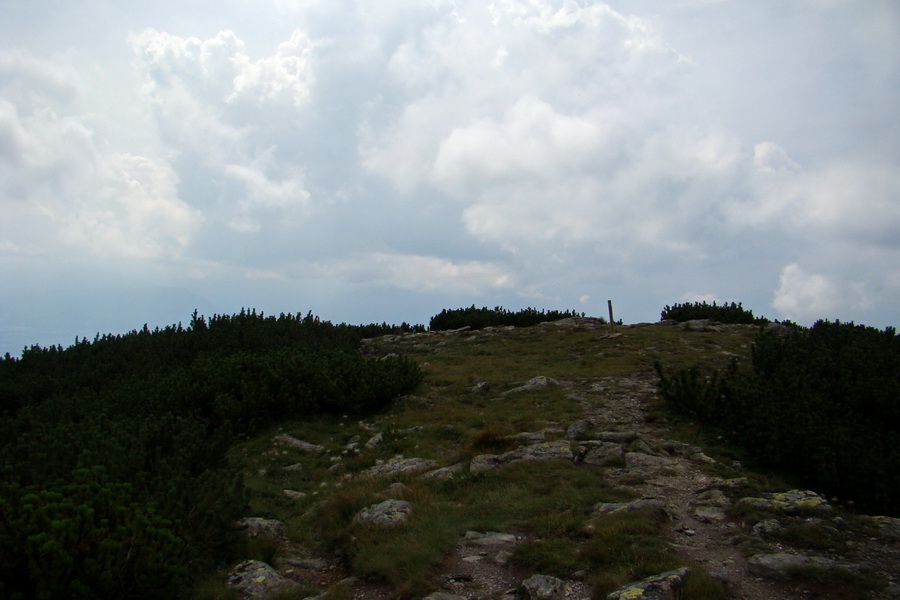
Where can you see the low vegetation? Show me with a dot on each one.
(113, 482)
(723, 313)
(479, 318)
(817, 404)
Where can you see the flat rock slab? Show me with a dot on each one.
(256, 579)
(658, 587)
(611, 508)
(294, 494)
(783, 567)
(389, 513)
(596, 452)
(535, 383)
(490, 538)
(534, 437)
(792, 502)
(401, 466)
(292, 442)
(558, 450)
(443, 473)
(640, 460)
(713, 497)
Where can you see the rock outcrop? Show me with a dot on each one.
(389, 513)
(256, 579)
(558, 450)
(659, 587)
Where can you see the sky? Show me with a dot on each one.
(381, 161)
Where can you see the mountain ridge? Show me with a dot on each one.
(556, 403)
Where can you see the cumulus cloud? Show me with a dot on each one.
(137, 213)
(426, 273)
(68, 190)
(805, 297)
(287, 76)
(548, 151)
(212, 101)
(769, 157)
(532, 140)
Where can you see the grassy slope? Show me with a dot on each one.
(549, 503)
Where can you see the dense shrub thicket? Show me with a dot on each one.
(821, 404)
(111, 476)
(479, 318)
(724, 313)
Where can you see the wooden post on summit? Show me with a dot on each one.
(612, 323)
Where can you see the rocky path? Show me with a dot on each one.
(705, 539)
(700, 528)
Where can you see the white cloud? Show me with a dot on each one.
(137, 213)
(423, 273)
(769, 157)
(70, 192)
(806, 297)
(845, 200)
(545, 149)
(287, 76)
(532, 140)
(214, 104)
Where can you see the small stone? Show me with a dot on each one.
(480, 387)
(389, 513)
(580, 430)
(256, 579)
(544, 587)
(767, 527)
